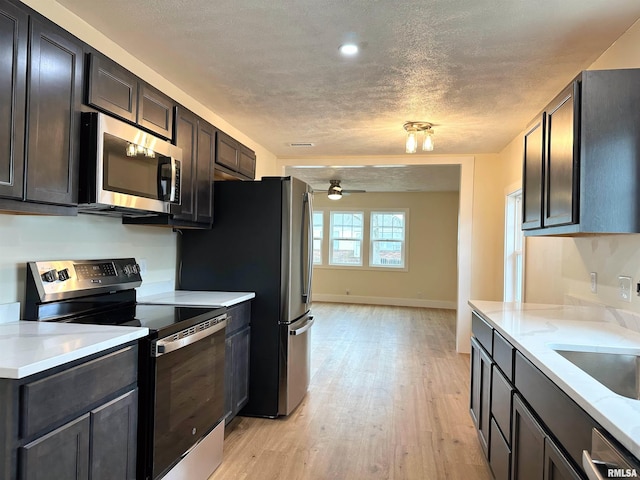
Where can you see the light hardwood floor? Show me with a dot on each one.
(388, 399)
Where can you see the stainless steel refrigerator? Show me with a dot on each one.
(262, 241)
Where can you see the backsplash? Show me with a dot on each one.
(28, 238)
(606, 313)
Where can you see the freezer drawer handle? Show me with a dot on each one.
(301, 330)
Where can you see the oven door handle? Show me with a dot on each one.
(164, 346)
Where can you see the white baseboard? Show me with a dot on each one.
(397, 302)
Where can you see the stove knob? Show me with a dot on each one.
(63, 275)
(131, 269)
(49, 276)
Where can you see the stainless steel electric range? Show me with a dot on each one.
(181, 364)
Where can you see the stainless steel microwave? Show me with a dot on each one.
(125, 170)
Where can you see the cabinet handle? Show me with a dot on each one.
(590, 467)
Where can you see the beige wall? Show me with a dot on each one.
(25, 238)
(556, 267)
(431, 276)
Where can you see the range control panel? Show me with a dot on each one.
(68, 278)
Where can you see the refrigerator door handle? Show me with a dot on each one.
(306, 293)
(303, 329)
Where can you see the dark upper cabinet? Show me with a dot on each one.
(205, 159)
(533, 175)
(13, 79)
(561, 162)
(115, 90)
(590, 149)
(112, 88)
(53, 127)
(197, 139)
(155, 110)
(234, 159)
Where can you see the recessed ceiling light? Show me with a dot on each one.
(349, 49)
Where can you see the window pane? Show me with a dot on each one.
(345, 252)
(387, 254)
(318, 222)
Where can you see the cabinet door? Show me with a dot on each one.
(228, 380)
(186, 134)
(474, 396)
(113, 438)
(500, 454)
(204, 172)
(112, 88)
(155, 110)
(227, 152)
(241, 346)
(485, 400)
(247, 162)
(55, 90)
(533, 175)
(527, 444)
(13, 78)
(63, 453)
(561, 184)
(556, 465)
(481, 392)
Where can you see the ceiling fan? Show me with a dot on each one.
(335, 191)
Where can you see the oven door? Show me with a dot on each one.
(189, 397)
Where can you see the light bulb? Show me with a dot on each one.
(427, 145)
(412, 141)
(131, 150)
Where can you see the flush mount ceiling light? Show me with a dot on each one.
(335, 190)
(414, 130)
(349, 49)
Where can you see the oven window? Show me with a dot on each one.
(189, 398)
(129, 171)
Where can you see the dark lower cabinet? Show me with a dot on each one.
(556, 465)
(528, 428)
(481, 392)
(238, 340)
(63, 453)
(76, 421)
(113, 438)
(528, 444)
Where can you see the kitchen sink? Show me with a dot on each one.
(618, 372)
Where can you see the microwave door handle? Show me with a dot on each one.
(172, 191)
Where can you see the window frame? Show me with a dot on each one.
(403, 242)
(331, 238)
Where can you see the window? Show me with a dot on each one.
(345, 247)
(513, 249)
(318, 225)
(387, 239)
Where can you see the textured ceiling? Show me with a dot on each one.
(383, 178)
(478, 69)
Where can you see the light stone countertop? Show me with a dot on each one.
(536, 329)
(32, 347)
(189, 298)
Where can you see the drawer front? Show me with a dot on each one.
(503, 353)
(482, 331)
(238, 317)
(501, 402)
(563, 417)
(500, 454)
(72, 392)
